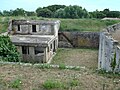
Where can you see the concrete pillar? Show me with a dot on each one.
(45, 59)
(19, 49)
(32, 53)
(37, 28)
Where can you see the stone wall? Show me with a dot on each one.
(109, 49)
(79, 39)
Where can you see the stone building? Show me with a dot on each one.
(36, 40)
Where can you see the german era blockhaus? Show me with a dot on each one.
(36, 41)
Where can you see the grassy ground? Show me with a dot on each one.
(84, 25)
(19, 77)
(76, 57)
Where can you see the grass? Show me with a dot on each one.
(55, 84)
(83, 25)
(51, 84)
(15, 83)
(76, 57)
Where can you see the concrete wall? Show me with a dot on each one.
(109, 50)
(40, 29)
(79, 39)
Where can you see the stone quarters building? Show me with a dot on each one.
(36, 40)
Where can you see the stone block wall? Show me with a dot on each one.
(109, 50)
(79, 39)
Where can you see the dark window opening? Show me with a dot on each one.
(48, 49)
(54, 49)
(51, 46)
(38, 50)
(25, 50)
(18, 27)
(33, 28)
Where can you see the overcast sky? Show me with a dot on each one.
(32, 5)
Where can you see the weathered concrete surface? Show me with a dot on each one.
(31, 36)
(78, 39)
(109, 49)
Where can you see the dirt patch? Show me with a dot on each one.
(32, 78)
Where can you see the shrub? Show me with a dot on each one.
(74, 82)
(51, 84)
(16, 83)
(62, 66)
(8, 51)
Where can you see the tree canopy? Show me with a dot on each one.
(62, 11)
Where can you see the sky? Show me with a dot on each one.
(32, 5)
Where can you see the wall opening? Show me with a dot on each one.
(33, 28)
(25, 50)
(18, 27)
(54, 49)
(38, 50)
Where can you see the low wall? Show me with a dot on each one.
(79, 39)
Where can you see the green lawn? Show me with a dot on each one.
(76, 57)
(84, 25)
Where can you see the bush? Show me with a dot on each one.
(62, 66)
(51, 84)
(74, 82)
(8, 51)
(16, 83)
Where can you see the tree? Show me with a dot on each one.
(97, 14)
(38, 9)
(70, 12)
(1, 14)
(106, 12)
(30, 13)
(114, 14)
(7, 13)
(60, 13)
(44, 13)
(19, 12)
(86, 13)
(54, 8)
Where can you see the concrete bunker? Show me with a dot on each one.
(36, 40)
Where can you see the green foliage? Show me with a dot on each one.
(52, 84)
(54, 8)
(72, 12)
(74, 82)
(19, 12)
(108, 74)
(16, 83)
(62, 66)
(44, 13)
(113, 62)
(44, 66)
(62, 11)
(30, 13)
(8, 51)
